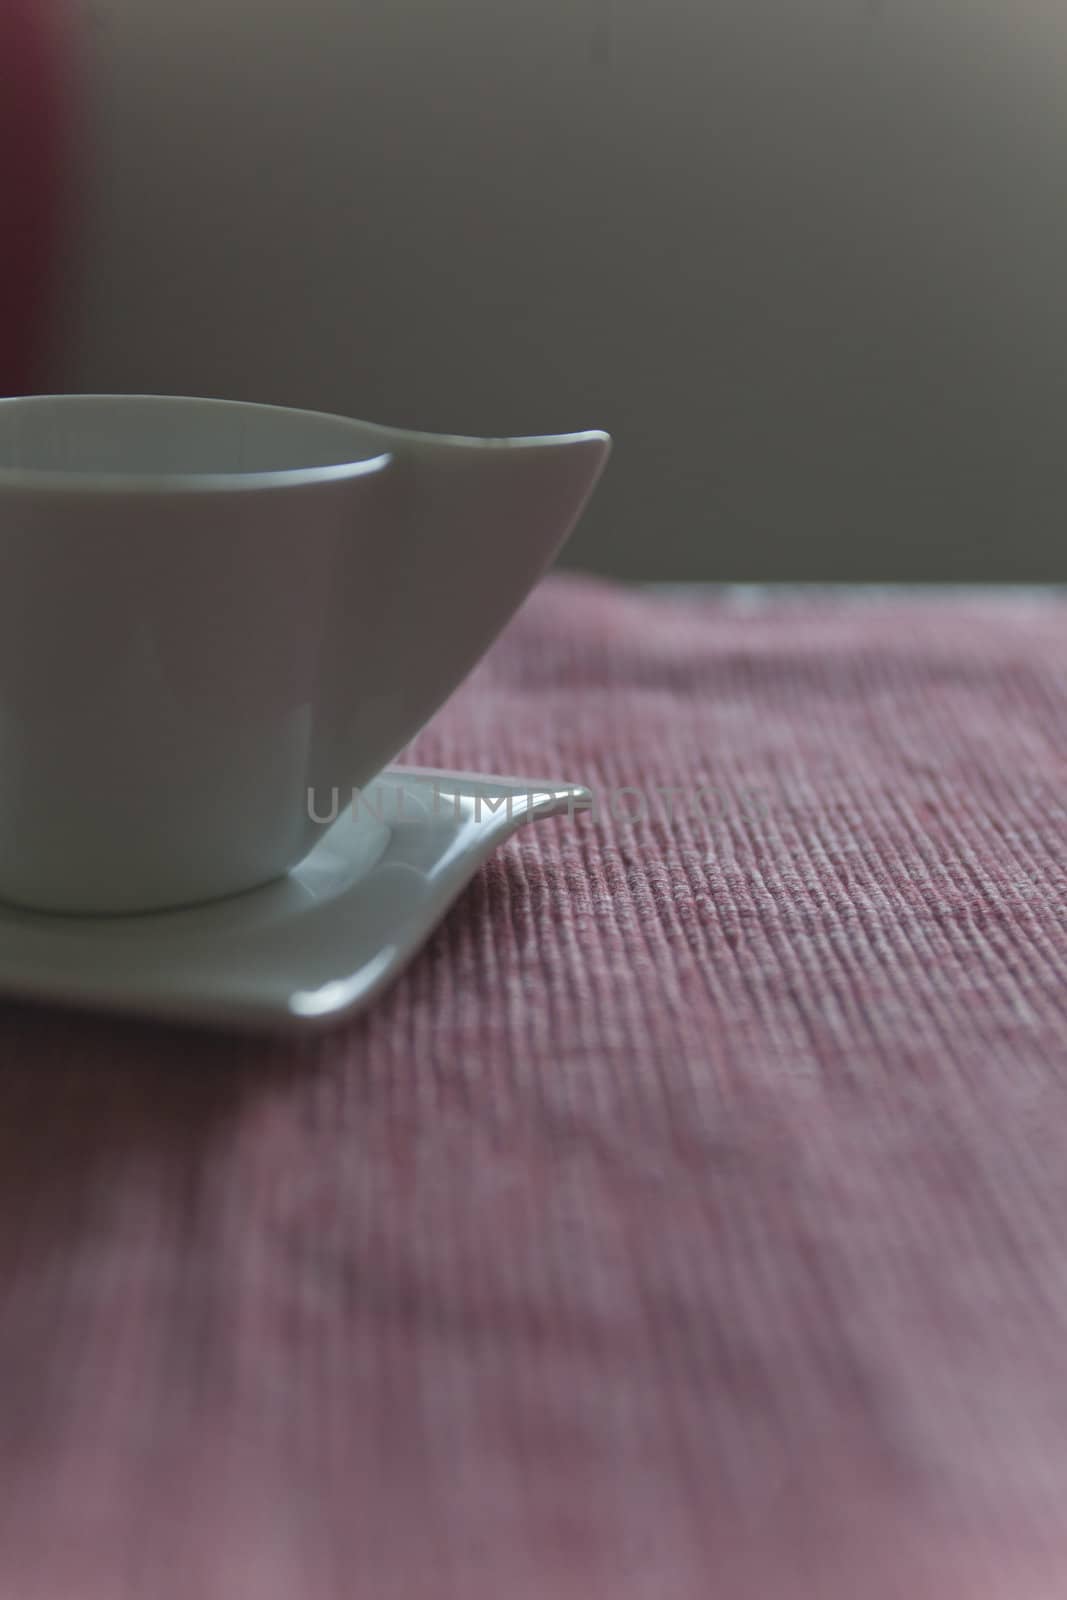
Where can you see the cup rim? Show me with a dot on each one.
(74, 481)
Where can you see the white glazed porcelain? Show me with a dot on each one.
(302, 952)
(213, 614)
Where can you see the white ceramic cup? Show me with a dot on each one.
(213, 614)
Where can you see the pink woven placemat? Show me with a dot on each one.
(689, 1221)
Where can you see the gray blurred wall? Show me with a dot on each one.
(807, 261)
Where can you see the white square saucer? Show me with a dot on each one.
(303, 952)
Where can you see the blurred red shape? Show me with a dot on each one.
(32, 142)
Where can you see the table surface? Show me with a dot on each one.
(687, 1220)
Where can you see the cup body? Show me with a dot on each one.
(166, 569)
(216, 615)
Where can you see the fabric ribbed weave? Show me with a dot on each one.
(690, 1220)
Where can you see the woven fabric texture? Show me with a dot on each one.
(690, 1220)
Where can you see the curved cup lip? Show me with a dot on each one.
(62, 481)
